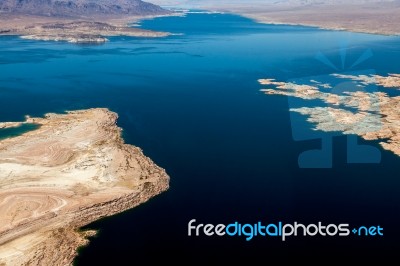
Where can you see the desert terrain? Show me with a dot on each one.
(71, 30)
(78, 21)
(74, 169)
(368, 16)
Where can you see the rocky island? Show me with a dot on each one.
(76, 21)
(72, 170)
(352, 109)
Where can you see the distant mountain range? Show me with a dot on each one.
(71, 8)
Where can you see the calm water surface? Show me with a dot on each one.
(192, 103)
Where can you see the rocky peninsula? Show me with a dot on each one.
(81, 32)
(72, 170)
(76, 21)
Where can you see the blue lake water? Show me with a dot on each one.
(16, 131)
(192, 103)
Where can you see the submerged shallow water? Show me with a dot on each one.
(192, 103)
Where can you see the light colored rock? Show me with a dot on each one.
(370, 115)
(71, 171)
(72, 30)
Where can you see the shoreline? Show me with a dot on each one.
(75, 30)
(71, 171)
(277, 22)
(91, 31)
(372, 18)
(373, 116)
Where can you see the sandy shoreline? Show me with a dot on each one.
(71, 171)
